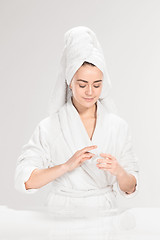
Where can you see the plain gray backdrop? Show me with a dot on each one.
(31, 42)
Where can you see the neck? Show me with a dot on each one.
(83, 111)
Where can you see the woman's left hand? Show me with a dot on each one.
(109, 163)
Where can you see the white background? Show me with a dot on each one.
(31, 41)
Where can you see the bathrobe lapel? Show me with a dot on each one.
(76, 137)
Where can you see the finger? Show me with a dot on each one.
(85, 159)
(108, 156)
(101, 166)
(86, 149)
(104, 161)
(89, 148)
(86, 156)
(104, 168)
(105, 155)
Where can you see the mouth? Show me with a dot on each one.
(88, 99)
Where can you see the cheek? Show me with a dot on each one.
(98, 90)
(77, 90)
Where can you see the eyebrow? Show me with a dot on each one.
(87, 81)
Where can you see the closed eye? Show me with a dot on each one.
(85, 86)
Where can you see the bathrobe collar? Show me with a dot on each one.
(74, 130)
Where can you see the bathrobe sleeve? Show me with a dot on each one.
(129, 161)
(35, 154)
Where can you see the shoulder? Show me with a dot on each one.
(120, 128)
(117, 120)
(49, 121)
(117, 124)
(49, 126)
(113, 118)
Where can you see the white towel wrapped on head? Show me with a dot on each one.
(81, 45)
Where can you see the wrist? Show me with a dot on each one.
(121, 173)
(64, 167)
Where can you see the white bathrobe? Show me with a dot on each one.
(57, 138)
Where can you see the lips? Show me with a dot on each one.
(88, 99)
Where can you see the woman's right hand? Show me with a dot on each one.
(79, 157)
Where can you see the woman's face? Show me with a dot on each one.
(86, 85)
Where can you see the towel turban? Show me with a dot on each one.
(81, 44)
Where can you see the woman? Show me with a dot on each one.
(82, 147)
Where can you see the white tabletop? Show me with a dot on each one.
(135, 223)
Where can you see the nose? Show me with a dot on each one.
(89, 90)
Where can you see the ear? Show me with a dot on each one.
(70, 86)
